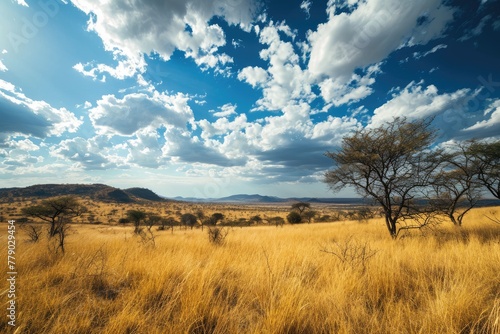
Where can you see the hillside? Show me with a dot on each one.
(98, 192)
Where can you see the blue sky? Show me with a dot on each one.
(212, 98)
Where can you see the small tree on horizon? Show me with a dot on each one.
(301, 206)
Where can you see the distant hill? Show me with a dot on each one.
(244, 198)
(144, 193)
(98, 192)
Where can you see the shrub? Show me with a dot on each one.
(294, 218)
(217, 235)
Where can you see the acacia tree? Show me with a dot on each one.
(487, 156)
(136, 216)
(301, 206)
(51, 210)
(58, 212)
(309, 215)
(456, 185)
(393, 165)
(189, 219)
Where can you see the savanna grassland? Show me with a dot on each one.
(342, 277)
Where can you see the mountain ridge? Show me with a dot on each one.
(96, 191)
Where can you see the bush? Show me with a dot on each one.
(217, 235)
(294, 218)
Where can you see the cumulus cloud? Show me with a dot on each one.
(284, 82)
(138, 111)
(371, 31)
(226, 110)
(416, 101)
(25, 116)
(253, 75)
(338, 92)
(84, 153)
(131, 30)
(181, 147)
(145, 150)
(455, 114)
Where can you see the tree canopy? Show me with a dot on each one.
(392, 164)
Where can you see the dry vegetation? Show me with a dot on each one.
(263, 279)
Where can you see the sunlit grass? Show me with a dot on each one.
(262, 280)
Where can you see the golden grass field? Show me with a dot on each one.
(262, 280)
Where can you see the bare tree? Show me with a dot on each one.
(33, 231)
(392, 164)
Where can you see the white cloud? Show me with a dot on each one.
(416, 101)
(339, 92)
(225, 110)
(22, 3)
(22, 115)
(3, 68)
(222, 126)
(490, 126)
(138, 111)
(373, 30)
(87, 154)
(418, 55)
(145, 150)
(255, 76)
(25, 145)
(284, 82)
(136, 29)
(305, 5)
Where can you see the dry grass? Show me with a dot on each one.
(262, 280)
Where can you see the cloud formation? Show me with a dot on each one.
(21, 115)
(134, 29)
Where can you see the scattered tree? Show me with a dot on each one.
(309, 215)
(58, 212)
(294, 217)
(487, 156)
(301, 206)
(455, 186)
(169, 223)
(278, 221)
(255, 219)
(136, 216)
(393, 165)
(52, 210)
(188, 219)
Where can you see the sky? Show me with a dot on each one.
(209, 98)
